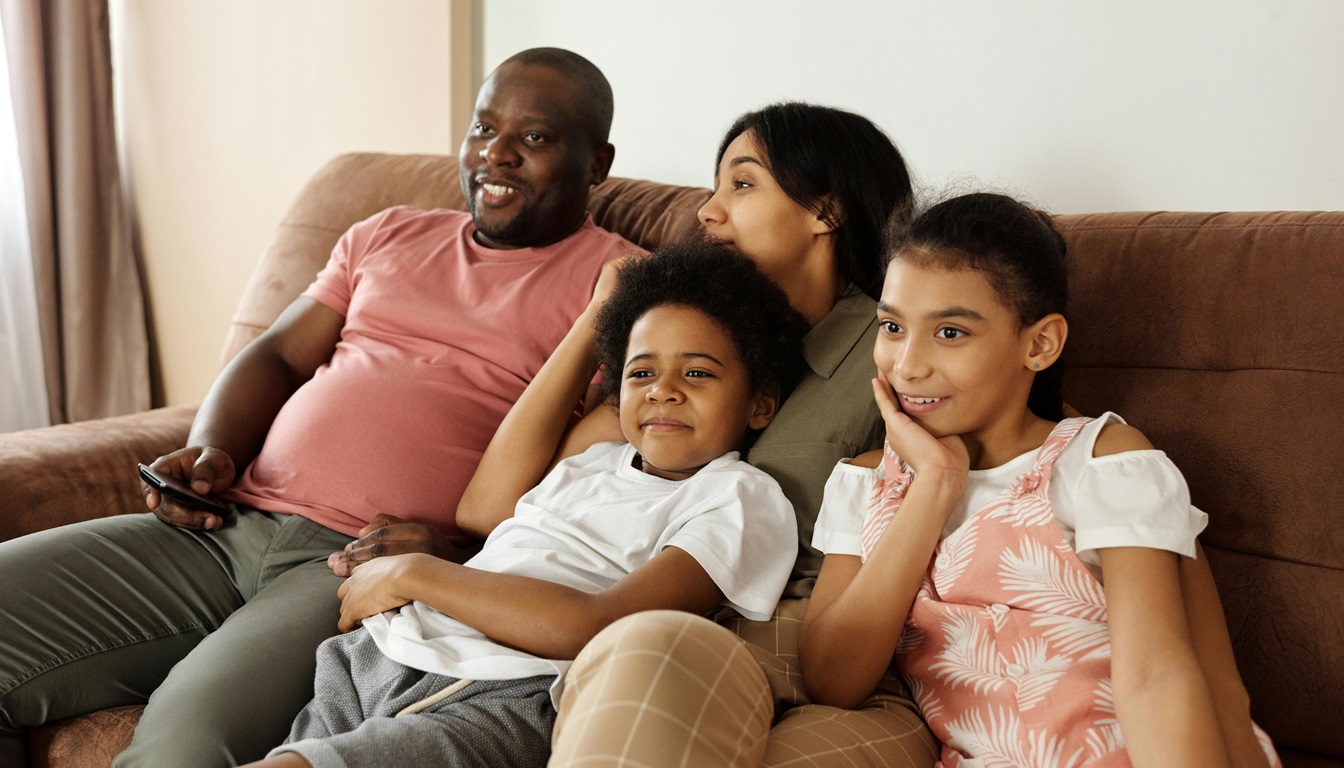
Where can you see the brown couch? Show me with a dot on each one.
(1218, 335)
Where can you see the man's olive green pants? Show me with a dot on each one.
(216, 630)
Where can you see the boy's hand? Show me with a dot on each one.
(607, 279)
(389, 535)
(924, 453)
(377, 586)
(208, 471)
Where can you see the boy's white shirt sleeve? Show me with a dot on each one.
(839, 526)
(745, 537)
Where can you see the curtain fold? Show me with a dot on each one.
(90, 299)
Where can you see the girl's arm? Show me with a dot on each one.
(529, 440)
(1162, 698)
(1213, 648)
(540, 617)
(857, 612)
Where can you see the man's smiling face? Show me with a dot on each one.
(529, 158)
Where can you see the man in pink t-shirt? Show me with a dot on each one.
(348, 430)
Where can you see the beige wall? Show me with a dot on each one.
(227, 108)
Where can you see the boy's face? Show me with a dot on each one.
(686, 398)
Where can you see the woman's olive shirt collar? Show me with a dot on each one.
(833, 338)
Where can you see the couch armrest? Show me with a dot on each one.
(73, 472)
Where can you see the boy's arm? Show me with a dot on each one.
(528, 441)
(540, 617)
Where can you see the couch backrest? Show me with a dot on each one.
(1221, 337)
(1217, 335)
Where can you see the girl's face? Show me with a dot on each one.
(952, 350)
(750, 212)
(686, 397)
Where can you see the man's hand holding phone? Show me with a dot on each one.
(180, 487)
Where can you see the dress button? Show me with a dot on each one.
(942, 561)
(1015, 670)
(999, 608)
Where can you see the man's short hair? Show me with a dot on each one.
(596, 104)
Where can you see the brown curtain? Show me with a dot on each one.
(90, 301)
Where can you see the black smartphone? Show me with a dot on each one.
(181, 492)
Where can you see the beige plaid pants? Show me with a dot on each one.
(665, 688)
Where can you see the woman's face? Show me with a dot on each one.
(750, 212)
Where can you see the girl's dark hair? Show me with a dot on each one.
(1015, 247)
(766, 331)
(842, 168)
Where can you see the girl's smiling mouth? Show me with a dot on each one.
(913, 404)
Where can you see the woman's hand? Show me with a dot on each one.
(379, 585)
(926, 454)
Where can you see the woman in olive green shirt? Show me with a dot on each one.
(806, 192)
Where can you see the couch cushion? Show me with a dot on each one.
(1218, 336)
(87, 741)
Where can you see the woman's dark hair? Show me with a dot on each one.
(841, 167)
(1015, 247)
(727, 287)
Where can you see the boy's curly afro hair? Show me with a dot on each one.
(766, 331)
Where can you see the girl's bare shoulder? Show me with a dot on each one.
(1119, 438)
(869, 460)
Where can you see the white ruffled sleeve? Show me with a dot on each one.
(844, 506)
(1135, 499)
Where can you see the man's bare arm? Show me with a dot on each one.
(236, 414)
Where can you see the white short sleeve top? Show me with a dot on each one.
(1130, 499)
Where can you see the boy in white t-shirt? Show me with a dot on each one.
(460, 664)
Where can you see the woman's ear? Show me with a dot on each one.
(828, 218)
(764, 406)
(1045, 339)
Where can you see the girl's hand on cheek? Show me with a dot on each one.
(924, 453)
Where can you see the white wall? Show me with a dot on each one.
(1082, 106)
(227, 108)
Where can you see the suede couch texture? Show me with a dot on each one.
(1216, 334)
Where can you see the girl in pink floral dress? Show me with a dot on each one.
(1021, 568)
